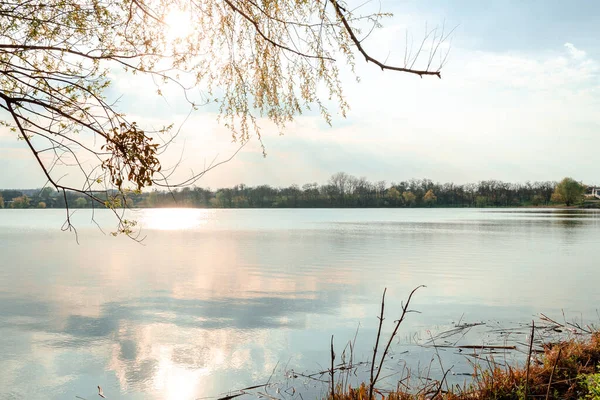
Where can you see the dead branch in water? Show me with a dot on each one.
(332, 370)
(573, 327)
(475, 347)
(529, 357)
(405, 310)
(372, 382)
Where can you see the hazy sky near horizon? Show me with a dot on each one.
(518, 101)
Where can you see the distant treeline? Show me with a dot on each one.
(342, 190)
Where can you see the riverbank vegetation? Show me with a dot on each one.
(342, 190)
(566, 366)
(565, 370)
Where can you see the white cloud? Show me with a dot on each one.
(575, 52)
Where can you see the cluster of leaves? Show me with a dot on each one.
(132, 157)
(126, 227)
(592, 383)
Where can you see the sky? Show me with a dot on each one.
(518, 101)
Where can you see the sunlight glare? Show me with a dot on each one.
(174, 218)
(179, 25)
(176, 382)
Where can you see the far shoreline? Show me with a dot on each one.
(542, 207)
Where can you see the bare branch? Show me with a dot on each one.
(368, 58)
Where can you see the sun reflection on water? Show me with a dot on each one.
(169, 219)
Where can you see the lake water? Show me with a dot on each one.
(217, 300)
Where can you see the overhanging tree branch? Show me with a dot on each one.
(340, 13)
(254, 61)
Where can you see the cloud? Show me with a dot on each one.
(505, 114)
(575, 52)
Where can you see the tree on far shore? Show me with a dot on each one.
(393, 195)
(20, 202)
(430, 198)
(409, 198)
(80, 202)
(568, 191)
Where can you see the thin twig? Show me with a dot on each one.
(372, 382)
(439, 389)
(405, 310)
(552, 373)
(332, 370)
(529, 358)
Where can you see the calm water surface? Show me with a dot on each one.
(216, 300)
